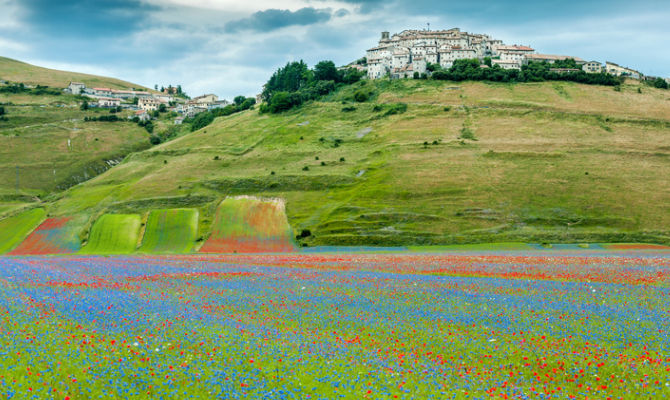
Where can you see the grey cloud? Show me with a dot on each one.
(272, 19)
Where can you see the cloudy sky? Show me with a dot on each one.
(231, 47)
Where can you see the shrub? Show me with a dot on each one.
(2, 110)
(398, 108)
(360, 96)
(377, 108)
(466, 133)
(154, 140)
(348, 109)
(342, 159)
(323, 163)
(305, 168)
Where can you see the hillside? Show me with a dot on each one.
(45, 143)
(466, 162)
(17, 71)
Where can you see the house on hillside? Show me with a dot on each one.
(552, 58)
(149, 104)
(506, 64)
(205, 99)
(592, 67)
(75, 88)
(108, 102)
(142, 115)
(179, 120)
(617, 70)
(515, 53)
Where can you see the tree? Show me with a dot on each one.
(326, 71)
(280, 102)
(660, 83)
(84, 105)
(2, 110)
(239, 100)
(291, 78)
(162, 108)
(488, 61)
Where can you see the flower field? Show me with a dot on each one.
(328, 326)
(53, 236)
(247, 224)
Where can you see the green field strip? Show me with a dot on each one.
(114, 234)
(508, 246)
(15, 229)
(170, 231)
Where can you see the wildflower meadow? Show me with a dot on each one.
(330, 326)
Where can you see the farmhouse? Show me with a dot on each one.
(142, 115)
(592, 67)
(75, 88)
(108, 102)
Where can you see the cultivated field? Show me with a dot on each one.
(114, 234)
(170, 231)
(396, 326)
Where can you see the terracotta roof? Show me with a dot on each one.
(516, 48)
(551, 57)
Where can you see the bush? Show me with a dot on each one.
(360, 96)
(305, 168)
(466, 133)
(154, 140)
(84, 106)
(398, 108)
(348, 109)
(201, 120)
(2, 110)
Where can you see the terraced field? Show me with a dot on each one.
(59, 235)
(114, 234)
(170, 231)
(15, 229)
(250, 225)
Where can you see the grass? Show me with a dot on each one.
(17, 71)
(13, 230)
(170, 231)
(113, 234)
(543, 168)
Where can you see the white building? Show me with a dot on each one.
(149, 104)
(417, 48)
(592, 67)
(108, 102)
(617, 70)
(75, 88)
(552, 58)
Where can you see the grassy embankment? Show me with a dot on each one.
(15, 229)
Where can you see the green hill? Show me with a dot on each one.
(46, 144)
(20, 72)
(465, 162)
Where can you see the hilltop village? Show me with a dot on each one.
(411, 52)
(144, 102)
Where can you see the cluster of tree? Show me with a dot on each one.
(2, 114)
(176, 91)
(659, 83)
(103, 118)
(240, 103)
(38, 90)
(295, 84)
(472, 70)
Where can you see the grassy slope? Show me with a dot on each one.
(15, 229)
(46, 138)
(17, 71)
(113, 234)
(170, 231)
(553, 161)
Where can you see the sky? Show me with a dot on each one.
(231, 47)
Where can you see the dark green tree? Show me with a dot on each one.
(326, 71)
